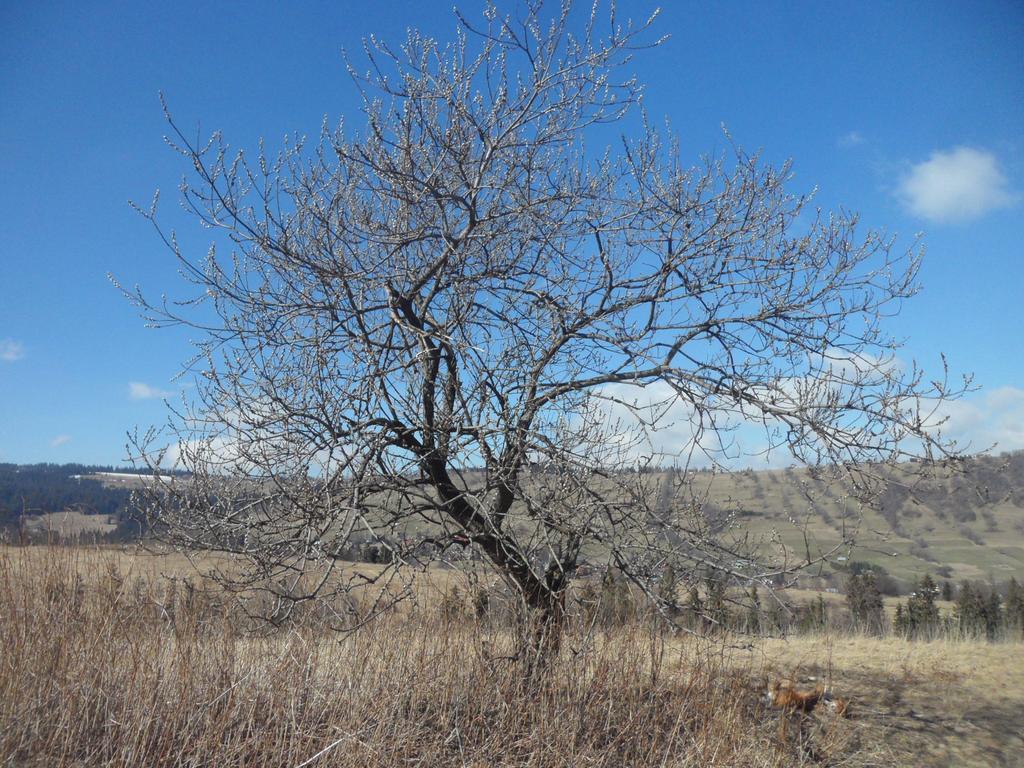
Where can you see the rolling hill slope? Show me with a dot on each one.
(961, 523)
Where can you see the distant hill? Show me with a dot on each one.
(964, 523)
(63, 498)
(961, 523)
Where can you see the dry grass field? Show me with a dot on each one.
(70, 523)
(105, 660)
(938, 703)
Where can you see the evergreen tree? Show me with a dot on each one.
(695, 608)
(813, 616)
(865, 603)
(778, 617)
(754, 611)
(616, 603)
(1015, 607)
(899, 622)
(947, 590)
(668, 588)
(714, 605)
(993, 614)
(979, 611)
(968, 611)
(922, 615)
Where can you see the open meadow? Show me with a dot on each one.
(108, 659)
(545, 383)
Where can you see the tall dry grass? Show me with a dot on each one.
(97, 668)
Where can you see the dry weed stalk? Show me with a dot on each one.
(100, 668)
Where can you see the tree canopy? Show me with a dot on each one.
(461, 318)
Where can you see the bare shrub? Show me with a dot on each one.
(971, 535)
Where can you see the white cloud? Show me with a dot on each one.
(851, 139)
(11, 350)
(139, 391)
(60, 440)
(996, 419)
(955, 185)
(652, 423)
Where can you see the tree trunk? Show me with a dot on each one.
(544, 622)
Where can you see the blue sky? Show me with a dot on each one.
(911, 113)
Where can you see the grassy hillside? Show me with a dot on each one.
(965, 522)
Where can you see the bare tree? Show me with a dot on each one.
(448, 326)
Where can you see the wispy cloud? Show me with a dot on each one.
(652, 423)
(994, 420)
(851, 139)
(11, 350)
(139, 391)
(60, 440)
(955, 185)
